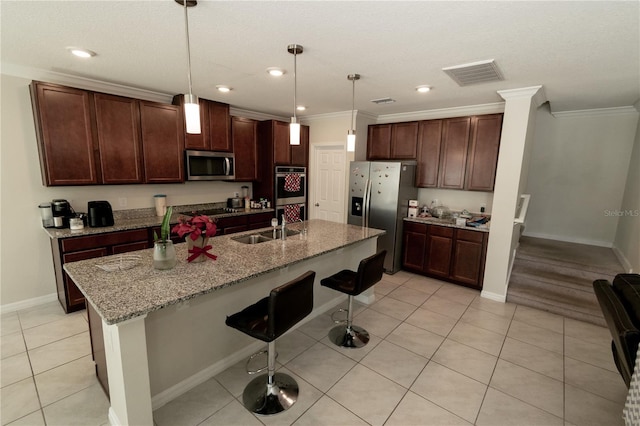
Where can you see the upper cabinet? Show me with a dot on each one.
(379, 142)
(87, 137)
(118, 134)
(300, 153)
(429, 141)
(162, 142)
(483, 152)
(453, 153)
(245, 144)
(404, 140)
(215, 127)
(65, 136)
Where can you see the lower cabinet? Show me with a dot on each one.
(89, 247)
(452, 254)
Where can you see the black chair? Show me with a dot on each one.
(267, 320)
(353, 283)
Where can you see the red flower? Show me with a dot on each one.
(195, 226)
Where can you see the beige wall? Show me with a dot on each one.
(627, 241)
(578, 172)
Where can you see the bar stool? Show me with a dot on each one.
(266, 320)
(353, 283)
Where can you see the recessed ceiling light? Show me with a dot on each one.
(301, 107)
(223, 89)
(423, 89)
(275, 72)
(81, 53)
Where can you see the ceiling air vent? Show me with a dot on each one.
(383, 101)
(474, 73)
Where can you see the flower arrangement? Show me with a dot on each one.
(195, 227)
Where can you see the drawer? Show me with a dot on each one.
(103, 240)
(85, 254)
(226, 222)
(467, 235)
(261, 218)
(441, 231)
(419, 228)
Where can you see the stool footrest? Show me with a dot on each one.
(335, 321)
(251, 358)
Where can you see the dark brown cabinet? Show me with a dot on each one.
(65, 136)
(260, 220)
(162, 142)
(214, 126)
(274, 149)
(459, 153)
(483, 152)
(404, 140)
(118, 134)
(244, 136)
(379, 142)
(415, 244)
(453, 155)
(429, 138)
(89, 247)
(452, 254)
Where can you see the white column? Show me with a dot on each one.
(128, 371)
(517, 132)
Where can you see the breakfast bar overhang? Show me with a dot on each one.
(164, 331)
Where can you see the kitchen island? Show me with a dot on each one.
(164, 331)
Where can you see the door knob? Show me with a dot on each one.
(317, 204)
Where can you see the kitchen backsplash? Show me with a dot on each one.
(457, 200)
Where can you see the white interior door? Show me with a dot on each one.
(329, 183)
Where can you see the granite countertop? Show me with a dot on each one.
(451, 223)
(125, 220)
(121, 295)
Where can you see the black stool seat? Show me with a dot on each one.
(266, 320)
(352, 283)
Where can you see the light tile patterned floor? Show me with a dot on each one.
(439, 354)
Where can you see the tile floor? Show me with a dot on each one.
(439, 354)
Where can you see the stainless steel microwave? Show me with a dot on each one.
(209, 165)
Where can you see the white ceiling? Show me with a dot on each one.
(586, 54)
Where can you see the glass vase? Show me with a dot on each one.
(198, 242)
(164, 255)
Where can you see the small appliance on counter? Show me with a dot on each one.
(46, 214)
(235, 203)
(413, 208)
(100, 214)
(160, 201)
(61, 211)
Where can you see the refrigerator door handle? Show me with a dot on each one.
(366, 204)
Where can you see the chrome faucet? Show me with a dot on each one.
(304, 226)
(283, 231)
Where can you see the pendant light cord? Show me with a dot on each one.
(186, 26)
(353, 102)
(295, 82)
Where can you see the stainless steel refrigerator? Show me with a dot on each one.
(379, 194)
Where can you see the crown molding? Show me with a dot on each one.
(328, 116)
(84, 83)
(535, 92)
(255, 115)
(432, 114)
(596, 112)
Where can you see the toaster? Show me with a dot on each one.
(100, 214)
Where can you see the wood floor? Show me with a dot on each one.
(557, 276)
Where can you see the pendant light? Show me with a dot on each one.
(191, 104)
(351, 134)
(294, 127)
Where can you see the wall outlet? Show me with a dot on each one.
(483, 207)
(122, 202)
(236, 194)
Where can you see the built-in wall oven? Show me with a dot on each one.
(291, 193)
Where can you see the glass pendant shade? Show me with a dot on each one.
(351, 141)
(294, 132)
(192, 114)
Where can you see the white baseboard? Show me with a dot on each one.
(493, 296)
(213, 370)
(598, 243)
(29, 303)
(623, 260)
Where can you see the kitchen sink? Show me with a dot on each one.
(252, 239)
(269, 234)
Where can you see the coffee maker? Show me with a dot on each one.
(62, 211)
